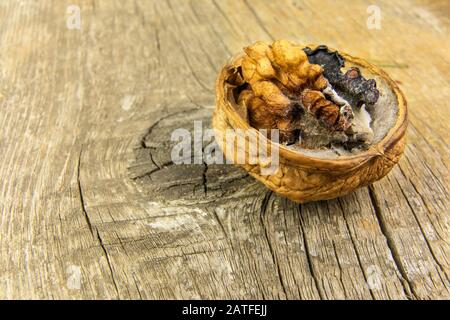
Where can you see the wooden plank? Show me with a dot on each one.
(92, 207)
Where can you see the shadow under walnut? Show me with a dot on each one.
(308, 175)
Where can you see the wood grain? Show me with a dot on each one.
(88, 185)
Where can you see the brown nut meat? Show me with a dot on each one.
(324, 109)
(303, 177)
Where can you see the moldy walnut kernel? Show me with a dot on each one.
(347, 131)
(284, 84)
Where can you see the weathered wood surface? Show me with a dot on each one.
(87, 183)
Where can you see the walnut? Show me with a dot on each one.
(277, 75)
(278, 88)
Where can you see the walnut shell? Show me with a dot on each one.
(302, 177)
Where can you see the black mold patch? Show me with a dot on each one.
(351, 86)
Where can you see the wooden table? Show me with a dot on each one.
(92, 207)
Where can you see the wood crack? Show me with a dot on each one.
(204, 178)
(137, 287)
(308, 255)
(220, 223)
(94, 230)
(109, 263)
(340, 267)
(265, 203)
(80, 191)
(413, 185)
(407, 285)
(150, 130)
(427, 242)
(149, 173)
(354, 247)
